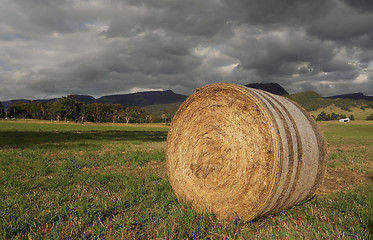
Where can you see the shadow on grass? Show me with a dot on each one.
(27, 139)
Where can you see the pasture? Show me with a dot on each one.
(109, 181)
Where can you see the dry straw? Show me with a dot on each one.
(241, 153)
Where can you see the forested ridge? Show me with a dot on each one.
(312, 101)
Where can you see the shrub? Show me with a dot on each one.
(370, 117)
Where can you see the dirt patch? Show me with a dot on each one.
(346, 148)
(156, 164)
(108, 169)
(339, 179)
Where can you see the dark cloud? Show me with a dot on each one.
(360, 5)
(342, 25)
(189, 18)
(52, 48)
(272, 13)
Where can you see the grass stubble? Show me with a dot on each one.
(67, 181)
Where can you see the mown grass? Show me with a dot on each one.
(110, 182)
(350, 145)
(54, 126)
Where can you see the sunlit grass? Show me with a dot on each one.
(110, 182)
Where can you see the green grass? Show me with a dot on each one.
(350, 146)
(72, 181)
(46, 126)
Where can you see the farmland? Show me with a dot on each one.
(109, 181)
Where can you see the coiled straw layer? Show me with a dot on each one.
(239, 152)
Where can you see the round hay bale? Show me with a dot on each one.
(239, 152)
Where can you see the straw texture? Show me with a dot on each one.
(239, 152)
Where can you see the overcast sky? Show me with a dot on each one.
(51, 48)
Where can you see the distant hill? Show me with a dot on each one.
(143, 98)
(85, 98)
(274, 88)
(148, 98)
(6, 104)
(312, 101)
(127, 100)
(354, 96)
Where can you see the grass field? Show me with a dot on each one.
(107, 181)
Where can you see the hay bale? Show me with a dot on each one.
(241, 153)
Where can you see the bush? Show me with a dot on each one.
(323, 116)
(370, 117)
(364, 107)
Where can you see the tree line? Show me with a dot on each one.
(323, 116)
(69, 109)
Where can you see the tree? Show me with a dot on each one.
(37, 110)
(370, 117)
(322, 116)
(134, 114)
(19, 110)
(351, 117)
(127, 114)
(49, 112)
(67, 108)
(334, 116)
(107, 115)
(2, 112)
(114, 111)
(83, 112)
(164, 116)
(140, 115)
(96, 112)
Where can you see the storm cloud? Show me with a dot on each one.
(98, 47)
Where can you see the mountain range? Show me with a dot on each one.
(133, 99)
(168, 96)
(274, 88)
(354, 96)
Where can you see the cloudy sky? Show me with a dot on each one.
(50, 48)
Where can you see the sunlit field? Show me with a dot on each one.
(109, 181)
